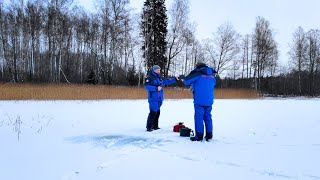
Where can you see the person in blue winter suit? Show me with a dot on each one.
(154, 84)
(202, 81)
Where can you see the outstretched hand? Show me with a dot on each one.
(180, 77)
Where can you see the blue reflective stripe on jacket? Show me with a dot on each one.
(203, 82)
(151, 84)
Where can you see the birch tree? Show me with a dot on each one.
(298, 54)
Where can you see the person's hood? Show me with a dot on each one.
(205, 70)
(154, 74)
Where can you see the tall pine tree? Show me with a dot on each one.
(154, 30)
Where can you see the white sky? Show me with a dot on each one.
(284, 16)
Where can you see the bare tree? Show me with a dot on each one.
(197, 52)
(313, 38)
(15, 18)
(118, 17)
(273, 66)
(179, 34)
(2, 55)
(235, 67)
(189, 41)
(58, 25)
(298, 53)
(115, 30)
(245, 47)
(209, 51)
(34, 14)
(226, 46)
(264, 47)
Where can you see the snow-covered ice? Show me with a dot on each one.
(72, 140)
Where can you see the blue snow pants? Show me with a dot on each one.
(154, 107)
(203, 114)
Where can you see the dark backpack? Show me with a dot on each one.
(186, 132)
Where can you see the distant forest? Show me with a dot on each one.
(58, 41)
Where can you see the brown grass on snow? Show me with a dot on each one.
(95, 92)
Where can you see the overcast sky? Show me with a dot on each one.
(285, 16)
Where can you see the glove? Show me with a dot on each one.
(182, 76)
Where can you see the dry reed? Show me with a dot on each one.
(96, 92)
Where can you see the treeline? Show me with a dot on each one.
(283, 84)
(302, 77)
(57, 41)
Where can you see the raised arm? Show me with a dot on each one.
(169, 81)
(191, 78)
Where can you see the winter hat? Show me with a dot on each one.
(200, 62)
(155, 67)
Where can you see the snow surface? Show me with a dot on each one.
(73, 140)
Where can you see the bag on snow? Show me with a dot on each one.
(186, 132)
(177, 127)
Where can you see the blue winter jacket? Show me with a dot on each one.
(202, 81)
(151, 84)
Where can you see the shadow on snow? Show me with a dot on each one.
(118, 141)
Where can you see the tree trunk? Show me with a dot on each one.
(15, 72)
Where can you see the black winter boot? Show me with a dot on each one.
(198, 137)
(208, 136)
(156, 121)
(151, 118)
